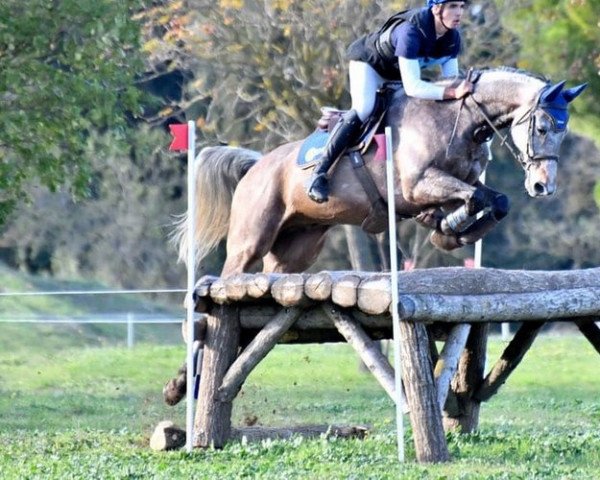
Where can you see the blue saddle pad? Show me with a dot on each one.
(311, 148)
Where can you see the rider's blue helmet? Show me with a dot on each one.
(431, 3)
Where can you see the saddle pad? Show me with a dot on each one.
(310, 149)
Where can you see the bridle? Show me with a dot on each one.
(525, 160)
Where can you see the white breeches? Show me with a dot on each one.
(364, 83)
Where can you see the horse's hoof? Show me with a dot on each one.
(318, 197)
(445, 242)
(500, 206)
(476, 203)
(173, 392)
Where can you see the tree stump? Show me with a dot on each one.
(167, 436)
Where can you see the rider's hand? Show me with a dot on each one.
(463, 89)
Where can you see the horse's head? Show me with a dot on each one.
(538, 134)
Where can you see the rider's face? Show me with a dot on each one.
(449, 13)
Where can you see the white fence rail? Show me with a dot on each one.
(129, 319)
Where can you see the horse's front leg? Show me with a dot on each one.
(436, 187)
(477, 227)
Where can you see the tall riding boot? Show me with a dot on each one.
(339, 139)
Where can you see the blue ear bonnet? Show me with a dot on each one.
(555, 105)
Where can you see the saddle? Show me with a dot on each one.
(376, 221)
(330, 116)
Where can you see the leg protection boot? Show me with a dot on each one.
(339, 139)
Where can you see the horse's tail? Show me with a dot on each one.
(217, 171)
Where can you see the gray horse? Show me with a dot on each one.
(259, 202)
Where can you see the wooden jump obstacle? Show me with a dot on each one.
(248, 314)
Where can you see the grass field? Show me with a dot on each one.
(88, 412)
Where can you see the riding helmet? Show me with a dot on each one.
(431, 3)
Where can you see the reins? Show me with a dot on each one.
(516, 155)
(497, 132)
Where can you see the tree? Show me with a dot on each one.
(561, 39)
(67, 68)
(118, 235)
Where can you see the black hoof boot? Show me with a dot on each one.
(477, 202)
(318, 190)
(500, 206)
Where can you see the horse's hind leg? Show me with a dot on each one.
(256, 217)
(247, 245)
(295, 250)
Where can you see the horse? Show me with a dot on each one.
(260, 204)
(440, 149)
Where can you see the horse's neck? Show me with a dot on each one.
(505, 95)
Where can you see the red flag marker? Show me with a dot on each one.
(179, 131)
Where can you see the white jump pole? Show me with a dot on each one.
(191, 265)
(478, 256)
(389, 163)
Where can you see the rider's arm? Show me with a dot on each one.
(414, 86)
(450, 68)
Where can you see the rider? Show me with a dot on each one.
(406, 43)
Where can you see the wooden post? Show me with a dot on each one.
(367, 349)
(471, 368)
(447, 361)
(425, 415)
(213, 416)
(591, 331)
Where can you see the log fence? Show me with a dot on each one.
(248, 314)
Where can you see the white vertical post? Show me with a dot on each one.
(389, 155)
(477, 257)
(191, 265)
(479, 246)
(130, 330)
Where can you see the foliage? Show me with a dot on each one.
(66, 69)
(250, 73)
(62, 421)
(119, 234)
(562, 39)
(284, 61)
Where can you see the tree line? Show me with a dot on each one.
(87, 89)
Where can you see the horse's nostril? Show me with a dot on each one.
(539, 188)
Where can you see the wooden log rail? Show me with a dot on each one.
(454, 294)
(257, 311)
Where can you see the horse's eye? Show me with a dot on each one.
(542, 130)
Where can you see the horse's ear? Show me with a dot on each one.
(552, 92)
(571, 93)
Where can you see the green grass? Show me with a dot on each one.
(88, 413)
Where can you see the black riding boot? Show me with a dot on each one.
(339, 139)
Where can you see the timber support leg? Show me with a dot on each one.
(591, 331)
(425, 415)
(463, 412)
(212, 424)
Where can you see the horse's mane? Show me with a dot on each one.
(502, 69)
